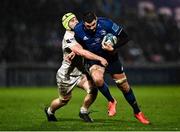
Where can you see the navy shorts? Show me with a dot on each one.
(114, 64)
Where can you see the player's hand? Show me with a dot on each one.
(107, 47)
(103, 62)
(69, 57)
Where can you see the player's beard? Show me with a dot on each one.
(90, 31)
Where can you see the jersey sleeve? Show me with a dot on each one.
(112, 27)
(118, 31)
(69, 42)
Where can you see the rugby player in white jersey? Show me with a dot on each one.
(70, 74)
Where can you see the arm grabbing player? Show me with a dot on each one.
(77, 49)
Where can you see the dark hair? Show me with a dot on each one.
(89, 17)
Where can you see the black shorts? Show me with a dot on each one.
(114, 67)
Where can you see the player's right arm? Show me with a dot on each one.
(78, 49)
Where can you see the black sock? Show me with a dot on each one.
(132, 100)
(105, 91)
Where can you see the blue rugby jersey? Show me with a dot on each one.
(92, 40)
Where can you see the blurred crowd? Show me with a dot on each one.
(31, 30)
(155, 32)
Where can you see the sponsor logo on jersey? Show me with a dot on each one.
(97, 40)
(93, 44)
(102, 32)
(72, 39)
(115, 27)
(85, 38)
(68, 41)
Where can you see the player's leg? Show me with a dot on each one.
(55, 105)
(123, 85)
(64, 89)
(97, 74)
(89, 98)
(90, 89)
(121, 82)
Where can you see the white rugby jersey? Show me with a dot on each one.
(74, 68)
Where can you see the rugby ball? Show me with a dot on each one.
(110, 39)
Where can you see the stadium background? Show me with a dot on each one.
(31, 34)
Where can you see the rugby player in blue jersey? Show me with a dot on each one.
(90, 33)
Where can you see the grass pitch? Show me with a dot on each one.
(21, 109)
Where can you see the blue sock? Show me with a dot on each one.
(105, 91)
(132, 100)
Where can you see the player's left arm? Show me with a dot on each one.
(106, 46)
(119, 32)
(122, 39)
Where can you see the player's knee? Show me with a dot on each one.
(123, 84)
(65, 100)
(99, 82)
(97, 73)
(125, 87)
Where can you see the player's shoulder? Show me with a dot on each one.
(78, 27)
(68, 35)
(79, 30)
(104, 20)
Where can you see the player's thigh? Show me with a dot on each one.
(65, 86)
(65, 93)
(121, 81)
(115, 66)
(97, 72)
